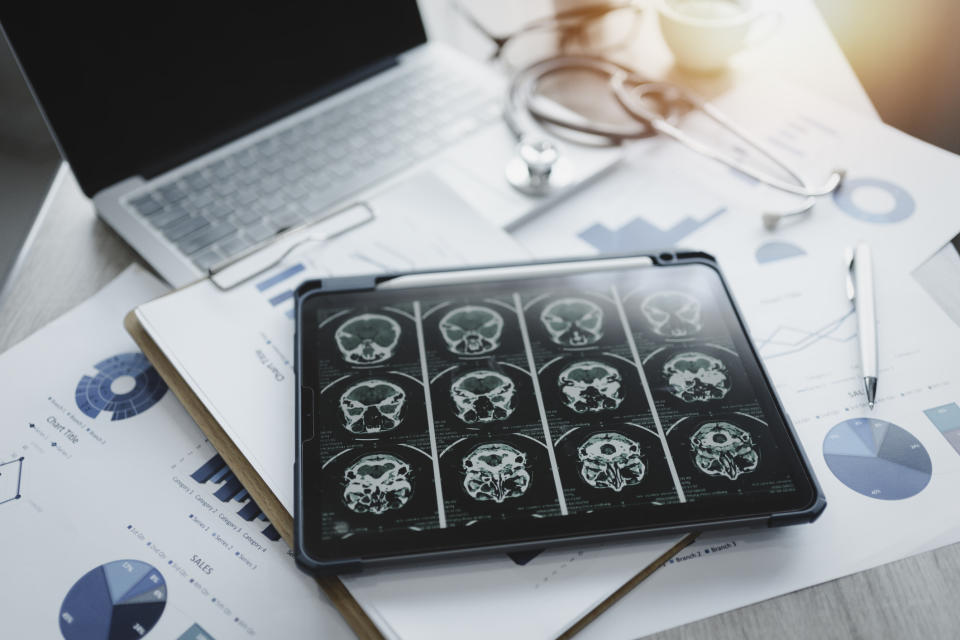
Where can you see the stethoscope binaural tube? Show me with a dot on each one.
(632, 97)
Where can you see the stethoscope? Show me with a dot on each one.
(539, 168)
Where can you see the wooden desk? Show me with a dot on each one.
(73, 254)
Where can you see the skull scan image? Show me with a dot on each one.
(471, 330)
(672, 314)
(369, 338)
(377, 483)
(483, 396)
(495, 472)
(590, 387)
(610, 460)
(372, 406)
(724, 449)
(573, 322)
(696, 377)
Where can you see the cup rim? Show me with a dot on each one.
(748, 14)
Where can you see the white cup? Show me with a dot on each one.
(703, 34)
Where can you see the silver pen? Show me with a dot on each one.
(860, 292)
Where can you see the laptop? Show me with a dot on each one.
(202, 133)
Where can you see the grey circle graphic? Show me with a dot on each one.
(903, 206)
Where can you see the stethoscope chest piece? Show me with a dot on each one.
(538, 169)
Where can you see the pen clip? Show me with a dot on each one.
(850, 256)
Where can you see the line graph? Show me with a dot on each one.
(786, 340)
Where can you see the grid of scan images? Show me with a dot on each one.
(448, 412)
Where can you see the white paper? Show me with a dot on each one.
(494, 597)
(235, 349)
(791, 288)
(939, 277)
(90, 478)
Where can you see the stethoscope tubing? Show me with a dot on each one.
(627, 96)
(522, 116)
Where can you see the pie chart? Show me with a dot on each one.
(877, 459)
(125, 385)
(120, 600)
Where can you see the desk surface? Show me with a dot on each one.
(72, 254)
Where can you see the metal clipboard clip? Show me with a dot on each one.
(231, 273)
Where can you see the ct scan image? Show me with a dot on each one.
(612, 466)
(372, 406)
(484, 395)
(572, 321)
(470, 328)
(724, 454)
(369, 338)
(378, 488)
(586, 389)
(673, 315)
(498, 475)
(695, 377)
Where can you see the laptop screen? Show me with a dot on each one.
(139, 90)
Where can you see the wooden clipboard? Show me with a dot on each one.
(341, 598)
(349, 608)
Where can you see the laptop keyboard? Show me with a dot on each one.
(214, 213)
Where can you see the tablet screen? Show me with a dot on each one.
(492, 413)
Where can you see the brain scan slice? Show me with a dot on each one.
(573, 322)
(672, 314)
(471, 330)
(495, 472)
(483, 396)
(369, 338)
(610, 460)
(590, 387)
(372, 406)
(696, 377)
(377, 483)
(723, 449)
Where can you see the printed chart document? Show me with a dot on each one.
(886, 473)
(119, 518)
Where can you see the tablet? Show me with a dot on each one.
(515, 407)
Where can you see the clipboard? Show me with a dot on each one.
(341, 598)
(228, 277)
(332, 586)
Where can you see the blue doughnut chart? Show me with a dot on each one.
(120, 600)
(903, 203)
(877, 459)
(95, 394)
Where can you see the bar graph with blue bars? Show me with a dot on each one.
(946, 418)
(216, 471)
(278, 288)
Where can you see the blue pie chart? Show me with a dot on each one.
(120, 600)
(877, 459)
(125, 385)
